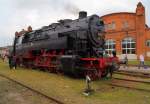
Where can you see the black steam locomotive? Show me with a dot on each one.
(73, 47)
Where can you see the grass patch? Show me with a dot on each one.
(137, 84)
(136, 62)
(70, 90)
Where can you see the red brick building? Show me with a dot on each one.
(127, 33)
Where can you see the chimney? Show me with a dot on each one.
(29, 29)
(82, 14)
(16, 34)
(140, 10)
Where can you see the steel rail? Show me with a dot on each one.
(142, 75)
(133, 88)
(132, 80)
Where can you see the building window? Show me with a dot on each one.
(128, 46)
(125, 25)
(148, 43)
(113, 25)
(110, 26)
(110, 46)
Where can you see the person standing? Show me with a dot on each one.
(114, 64)
(10, 59)
(14, 62)
(125, 61)
(141, 63)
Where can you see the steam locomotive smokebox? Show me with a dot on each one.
(69, 66)
(82, 14)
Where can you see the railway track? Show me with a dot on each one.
(134, 74)
(131, 81)
(132, 88)
(138, 81)
(36, 91)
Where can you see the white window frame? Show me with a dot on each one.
(128, 41)
(110, 43)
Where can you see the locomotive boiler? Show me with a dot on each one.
(72, 47)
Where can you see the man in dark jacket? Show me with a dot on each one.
(10, 60)
(114, 64)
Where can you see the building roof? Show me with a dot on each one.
(119, 13)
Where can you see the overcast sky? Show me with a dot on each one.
(18, 14)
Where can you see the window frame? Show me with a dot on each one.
(128, 45)
(148, 43)
(125, 24)
(111, 45)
